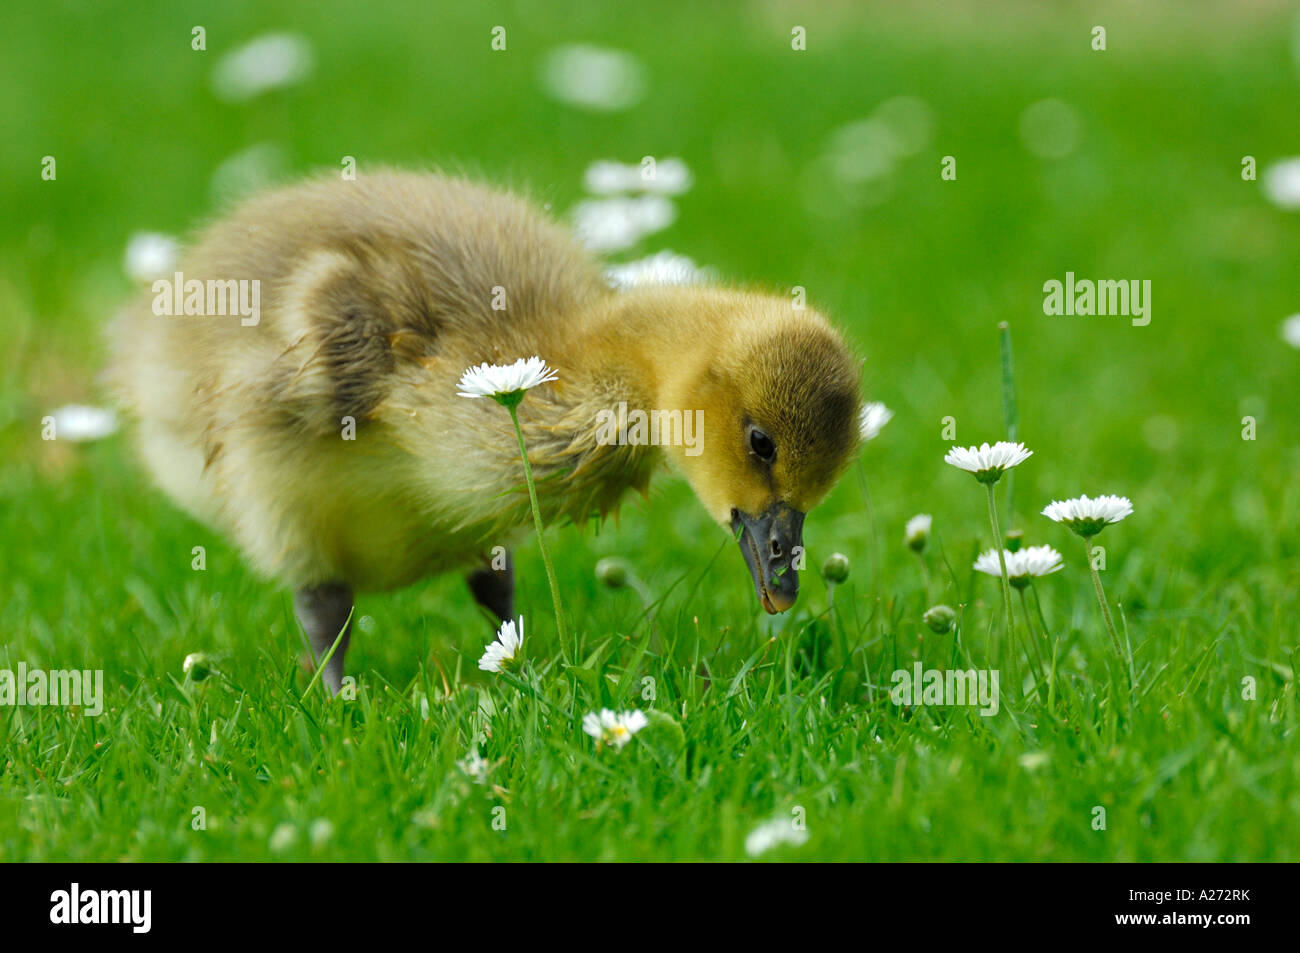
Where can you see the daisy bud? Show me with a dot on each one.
(916, 534)
(836, 568)
(1015, 540)
(198, 666)
(612, 571)
(939, 618)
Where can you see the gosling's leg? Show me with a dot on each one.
(494, 589)
(323, 612)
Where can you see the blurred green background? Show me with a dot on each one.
(917, 270)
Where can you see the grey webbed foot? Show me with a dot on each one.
(494, 589)
(323, 612)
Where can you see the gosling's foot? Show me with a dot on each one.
(494, 589)
(323, 613)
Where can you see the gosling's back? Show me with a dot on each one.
(369, 291)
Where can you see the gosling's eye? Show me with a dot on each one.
(762, 445)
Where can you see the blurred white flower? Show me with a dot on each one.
(855, 169)
(475, 767)
(505, 650)
(320, 831)
(616, 223)
(862, 151)
(1281, 184)
(1033, 760)
(1049, 128)
(592, 77)
(909, 119)
(150, 255)
(988, 462)
(670, 176)
(198, 666)
(779, 830)
(1023, 565)
(283, 837)
(1291, 330)
(270, 61)
(614, 728)
(1088, 517)
(495, 380)
(872, 419)
(80, 423)
(917, 532)
(661, 268)
(988, 562)
(249, 170)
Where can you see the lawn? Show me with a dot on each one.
(1135, 172)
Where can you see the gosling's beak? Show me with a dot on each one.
(770, 544)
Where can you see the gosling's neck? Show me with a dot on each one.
(591, 438)
(649, 344)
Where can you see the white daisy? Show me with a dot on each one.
(150, 255)
(1035, 561)
(988, 562)
(661, 268)
(1022, 566)
(475, 767)
(614, 728)
(988, 462)
(282, 837)
(505, 383)
(594, 77)
(779, 830)
(872, 420)
(606, 225)
(505, 650)
(670, 176)
(269, 61)
(1281, 183)
(917, 532)
(1291, 330)
(1088, 517)
(80, 423)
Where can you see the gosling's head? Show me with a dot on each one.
(780, 403)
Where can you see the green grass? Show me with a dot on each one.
(775, 714)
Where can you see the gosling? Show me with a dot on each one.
(318, 424)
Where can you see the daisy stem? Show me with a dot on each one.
(526, 686)
(1050, 641)
(1033, 641)
(1101, 599)
(537, 521)
(1042, 620)
(1002, 559)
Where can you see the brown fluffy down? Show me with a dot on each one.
(375, 296)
